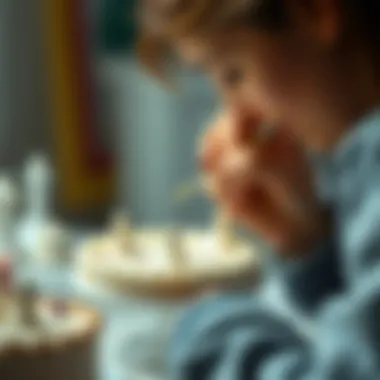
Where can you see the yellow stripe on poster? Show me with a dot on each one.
(80, 189)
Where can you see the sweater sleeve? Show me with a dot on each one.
(237, 338)
(310, 281)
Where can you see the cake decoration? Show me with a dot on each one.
(169, 262)
(121, 231)
(224, 231)
(175, 246)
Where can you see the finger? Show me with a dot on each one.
(235, 183)
(237, 171)
(241, 169)
(212, 143)
(265, 220)
(286, 172)
(210, 154)
(280, 148)
(286, 197)
(254, 210)
(211, 187)
(246, 127)
(253, 207)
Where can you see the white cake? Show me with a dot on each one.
(44, 338)
(55, 344)
(166, 262)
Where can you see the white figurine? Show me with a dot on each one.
(38, 183)
(38, 177)
(175, 246)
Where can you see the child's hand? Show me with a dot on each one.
(265, 184)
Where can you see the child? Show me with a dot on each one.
(311, 68)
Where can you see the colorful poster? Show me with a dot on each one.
(85, 165)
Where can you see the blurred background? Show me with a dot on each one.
(71, 88)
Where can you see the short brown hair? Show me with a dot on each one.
(175, 18)
(187, 17)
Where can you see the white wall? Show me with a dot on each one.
(157, 132)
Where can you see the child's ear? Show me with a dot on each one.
(320, 19)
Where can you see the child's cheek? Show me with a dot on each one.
(273, 81)
(274, 89)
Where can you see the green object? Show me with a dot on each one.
(117, 25)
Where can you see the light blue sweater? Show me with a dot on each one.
(237, 337)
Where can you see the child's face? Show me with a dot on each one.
(287, 78)
(256, 70)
